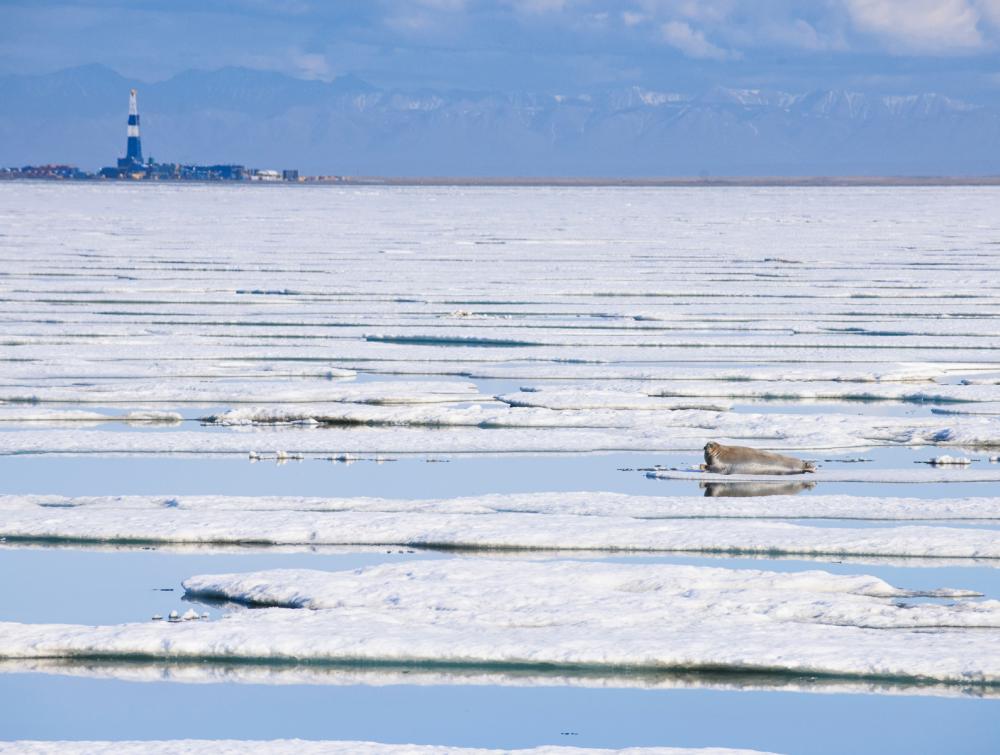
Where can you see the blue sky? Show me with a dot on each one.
(527, 45)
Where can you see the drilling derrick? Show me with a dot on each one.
(133, 151)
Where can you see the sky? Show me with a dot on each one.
(889, 46)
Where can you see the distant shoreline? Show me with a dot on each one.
(557, 181)
(677, 181)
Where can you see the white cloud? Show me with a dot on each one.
(930, 26)
(312, 65)
(631, 18)
(535, 7)
(451, 6)
(792, 33)
(692, 42)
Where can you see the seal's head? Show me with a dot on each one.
(711, 450)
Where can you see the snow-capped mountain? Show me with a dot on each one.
(350, 127)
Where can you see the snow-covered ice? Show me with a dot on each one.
(545, 522)
(952, 461)
(484, 430)
(593, 503)
(568, 614)
(231, 391)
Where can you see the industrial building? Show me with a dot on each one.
(132, 166)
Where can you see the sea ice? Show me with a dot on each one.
(205, 391)
(569, 522)
(593, 503)
(475, 612)
(510, 430)
(616, 332)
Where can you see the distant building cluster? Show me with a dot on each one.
(132, 166)
(58, 172)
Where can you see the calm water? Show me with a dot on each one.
(441, 475)
(50, 707)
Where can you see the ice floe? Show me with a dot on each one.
(69, 417)
(553, 522)
(107, 371)
(498, 429)
(606, 504)
(840, 391)
(578, 398)
(567, 614)
(208, 392)
(475, 415)
(949, 461)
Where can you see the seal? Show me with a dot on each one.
(742, 460)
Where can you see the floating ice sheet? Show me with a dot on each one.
(568, 614)
(551, 522)
(579, 398)
(492, 415)
(485, 429)
(503, 531)
(78, 417)
(107, 370)
(207, 392)
(756, 389)
(602, 504)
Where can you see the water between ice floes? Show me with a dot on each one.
(51, 707)
(444, 475)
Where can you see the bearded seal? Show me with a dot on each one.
(742, 460)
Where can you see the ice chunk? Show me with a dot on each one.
(949, 461)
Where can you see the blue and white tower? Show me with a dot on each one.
(133, 152)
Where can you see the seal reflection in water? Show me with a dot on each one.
(749, 489)
(742, 460)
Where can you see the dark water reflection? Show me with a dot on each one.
(753, 489)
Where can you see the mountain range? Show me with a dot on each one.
(350, 127)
